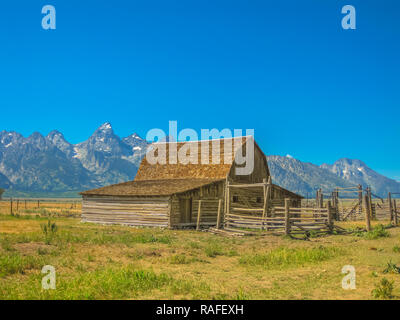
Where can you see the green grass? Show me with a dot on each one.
(110, 283)
(284, 257)
(13, 263)
(179, 259)
(101, 284)
(213, 249)
(117, 262)
(109, 237)
(378, 232)
(5, 244)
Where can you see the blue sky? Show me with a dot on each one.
(283, 68)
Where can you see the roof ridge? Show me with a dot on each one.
(208, 140)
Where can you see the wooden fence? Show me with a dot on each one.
(283, 220)
(18, 205)
(385, 211)
(382, 210)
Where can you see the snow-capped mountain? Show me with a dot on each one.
(357, 172)
(106, 156)
(52, 165)
(302, 177)
(35, 163)
(57, 139)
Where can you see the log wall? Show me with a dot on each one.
(132, 211)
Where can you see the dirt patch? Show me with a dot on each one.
(31, 248)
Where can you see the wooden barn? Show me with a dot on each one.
(176, 195)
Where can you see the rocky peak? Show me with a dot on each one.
(58, 140)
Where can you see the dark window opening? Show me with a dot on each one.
(258, 199)
(235, 199)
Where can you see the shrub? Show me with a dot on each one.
(49, 230)
(383, 290)
(179, 259)
(391, 268)
(396, 249)
(378, 232)
(213, 250)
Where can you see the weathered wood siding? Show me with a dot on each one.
(260, 170)
(254, 197)
(132, 211)
(209, 206)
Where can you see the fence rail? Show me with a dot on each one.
(284, 220)
(27, 206)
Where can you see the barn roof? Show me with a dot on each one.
(163, 187)
(148, 171)
(170, 178)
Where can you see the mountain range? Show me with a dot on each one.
(51, 166)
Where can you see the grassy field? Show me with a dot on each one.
(116, 262)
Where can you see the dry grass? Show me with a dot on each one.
(43, 208)
(116, 262)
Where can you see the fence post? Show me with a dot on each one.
(267, 191)
(25, 204)
(336, 203)
(198, 216)
(333, 204)
(38, 204)
(367, 213)
(11, 206)
(390, 206)
(330, 220)
(265, 198)
(395, 212)
(287, 216)
(360, 198)
(373, 212)
(219, 213)
(228, 198)
(369, 193)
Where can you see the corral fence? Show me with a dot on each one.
(285, 220)
(351, 203)
(358, 204)
(31, 205)
(288, 219)
(319, 216)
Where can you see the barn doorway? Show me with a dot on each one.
(186, 210)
